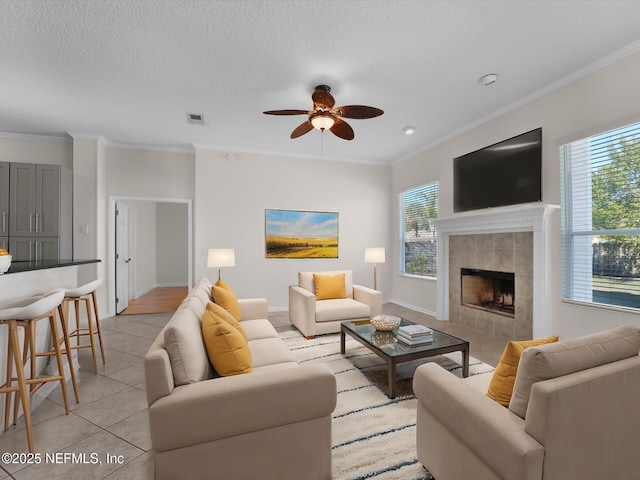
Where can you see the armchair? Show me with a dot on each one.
(573, 415)
(317, 317)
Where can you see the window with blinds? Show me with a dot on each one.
(418, 246)
(600, 194)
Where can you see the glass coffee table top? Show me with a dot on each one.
(388, 341)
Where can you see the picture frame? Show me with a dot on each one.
(301, 234)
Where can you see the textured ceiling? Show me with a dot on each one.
(132, 70)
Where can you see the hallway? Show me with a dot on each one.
(158, 300)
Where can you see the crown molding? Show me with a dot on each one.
(588, 69)
(42, 138)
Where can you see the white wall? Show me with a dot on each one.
(151, 174)
(231, 198)
(171, 244)
(600, 101)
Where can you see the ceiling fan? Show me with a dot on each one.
(325, 117)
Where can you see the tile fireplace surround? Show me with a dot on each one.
(506, 239)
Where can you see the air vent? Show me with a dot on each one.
(195, 118)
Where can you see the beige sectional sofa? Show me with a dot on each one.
(574, 415)
(274, 422)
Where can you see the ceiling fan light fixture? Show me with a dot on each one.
(322, 120)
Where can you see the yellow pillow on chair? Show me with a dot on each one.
(329, 286)
(504, 377)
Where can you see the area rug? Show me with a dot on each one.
(373, 436)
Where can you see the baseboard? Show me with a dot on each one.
(396, 302)
(277, 309)
(143, 291)
(414, 307)
(158, 285)
(173, 284)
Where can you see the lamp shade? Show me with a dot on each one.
(221, 257)
(374, 255)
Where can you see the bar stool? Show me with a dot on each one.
(87, 294)
(27, 316)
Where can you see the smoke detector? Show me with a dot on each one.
(488, 79)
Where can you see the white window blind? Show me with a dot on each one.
(600, 195)
(418, 246)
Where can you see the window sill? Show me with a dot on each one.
(602, 306)
(418, 277)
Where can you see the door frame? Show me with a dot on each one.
(112, 239)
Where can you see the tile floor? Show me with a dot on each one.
(112, 416)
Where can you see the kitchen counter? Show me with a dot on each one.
(27, 265)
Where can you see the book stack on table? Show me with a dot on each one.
(415, 335)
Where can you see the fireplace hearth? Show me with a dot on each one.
(488, 290)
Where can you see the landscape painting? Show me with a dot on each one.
(301, 234)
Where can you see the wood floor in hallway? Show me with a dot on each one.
(160, 299)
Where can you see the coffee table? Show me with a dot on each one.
(387, 347)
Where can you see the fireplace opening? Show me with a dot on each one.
(488, 290)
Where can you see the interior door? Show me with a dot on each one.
(122, 257)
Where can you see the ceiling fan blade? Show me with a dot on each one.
(342, 129)
(323, 99)
(358, 111)
(286, 112)
(302, 129)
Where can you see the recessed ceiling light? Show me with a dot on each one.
(195, 118)
(488, 79)
(409, 130)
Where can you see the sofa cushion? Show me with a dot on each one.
(226, 298)
(227, 349)
(501, 386)
(305, 280)
(329, 286)
(186, 349)
(257, 329)
(269, 351)
(340, 309)
(227, 317)
(569, 356)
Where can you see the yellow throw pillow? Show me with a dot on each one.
(504, 377)
(329, 286)
(227, 349)
(222, 294)
(227, 317)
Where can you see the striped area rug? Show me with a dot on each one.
(373, 436)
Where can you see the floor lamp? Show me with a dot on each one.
(375, 256)
(221, 257)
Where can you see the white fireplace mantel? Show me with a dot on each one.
(521, 218)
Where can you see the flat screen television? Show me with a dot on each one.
(506, 173)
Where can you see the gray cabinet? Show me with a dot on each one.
(22, 199)
(4, 199)
(34, 200)
(34, 248)
(4, 243)
(47, 214)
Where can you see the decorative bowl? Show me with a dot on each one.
(385, 323)
(5, 263)
(381, 338)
